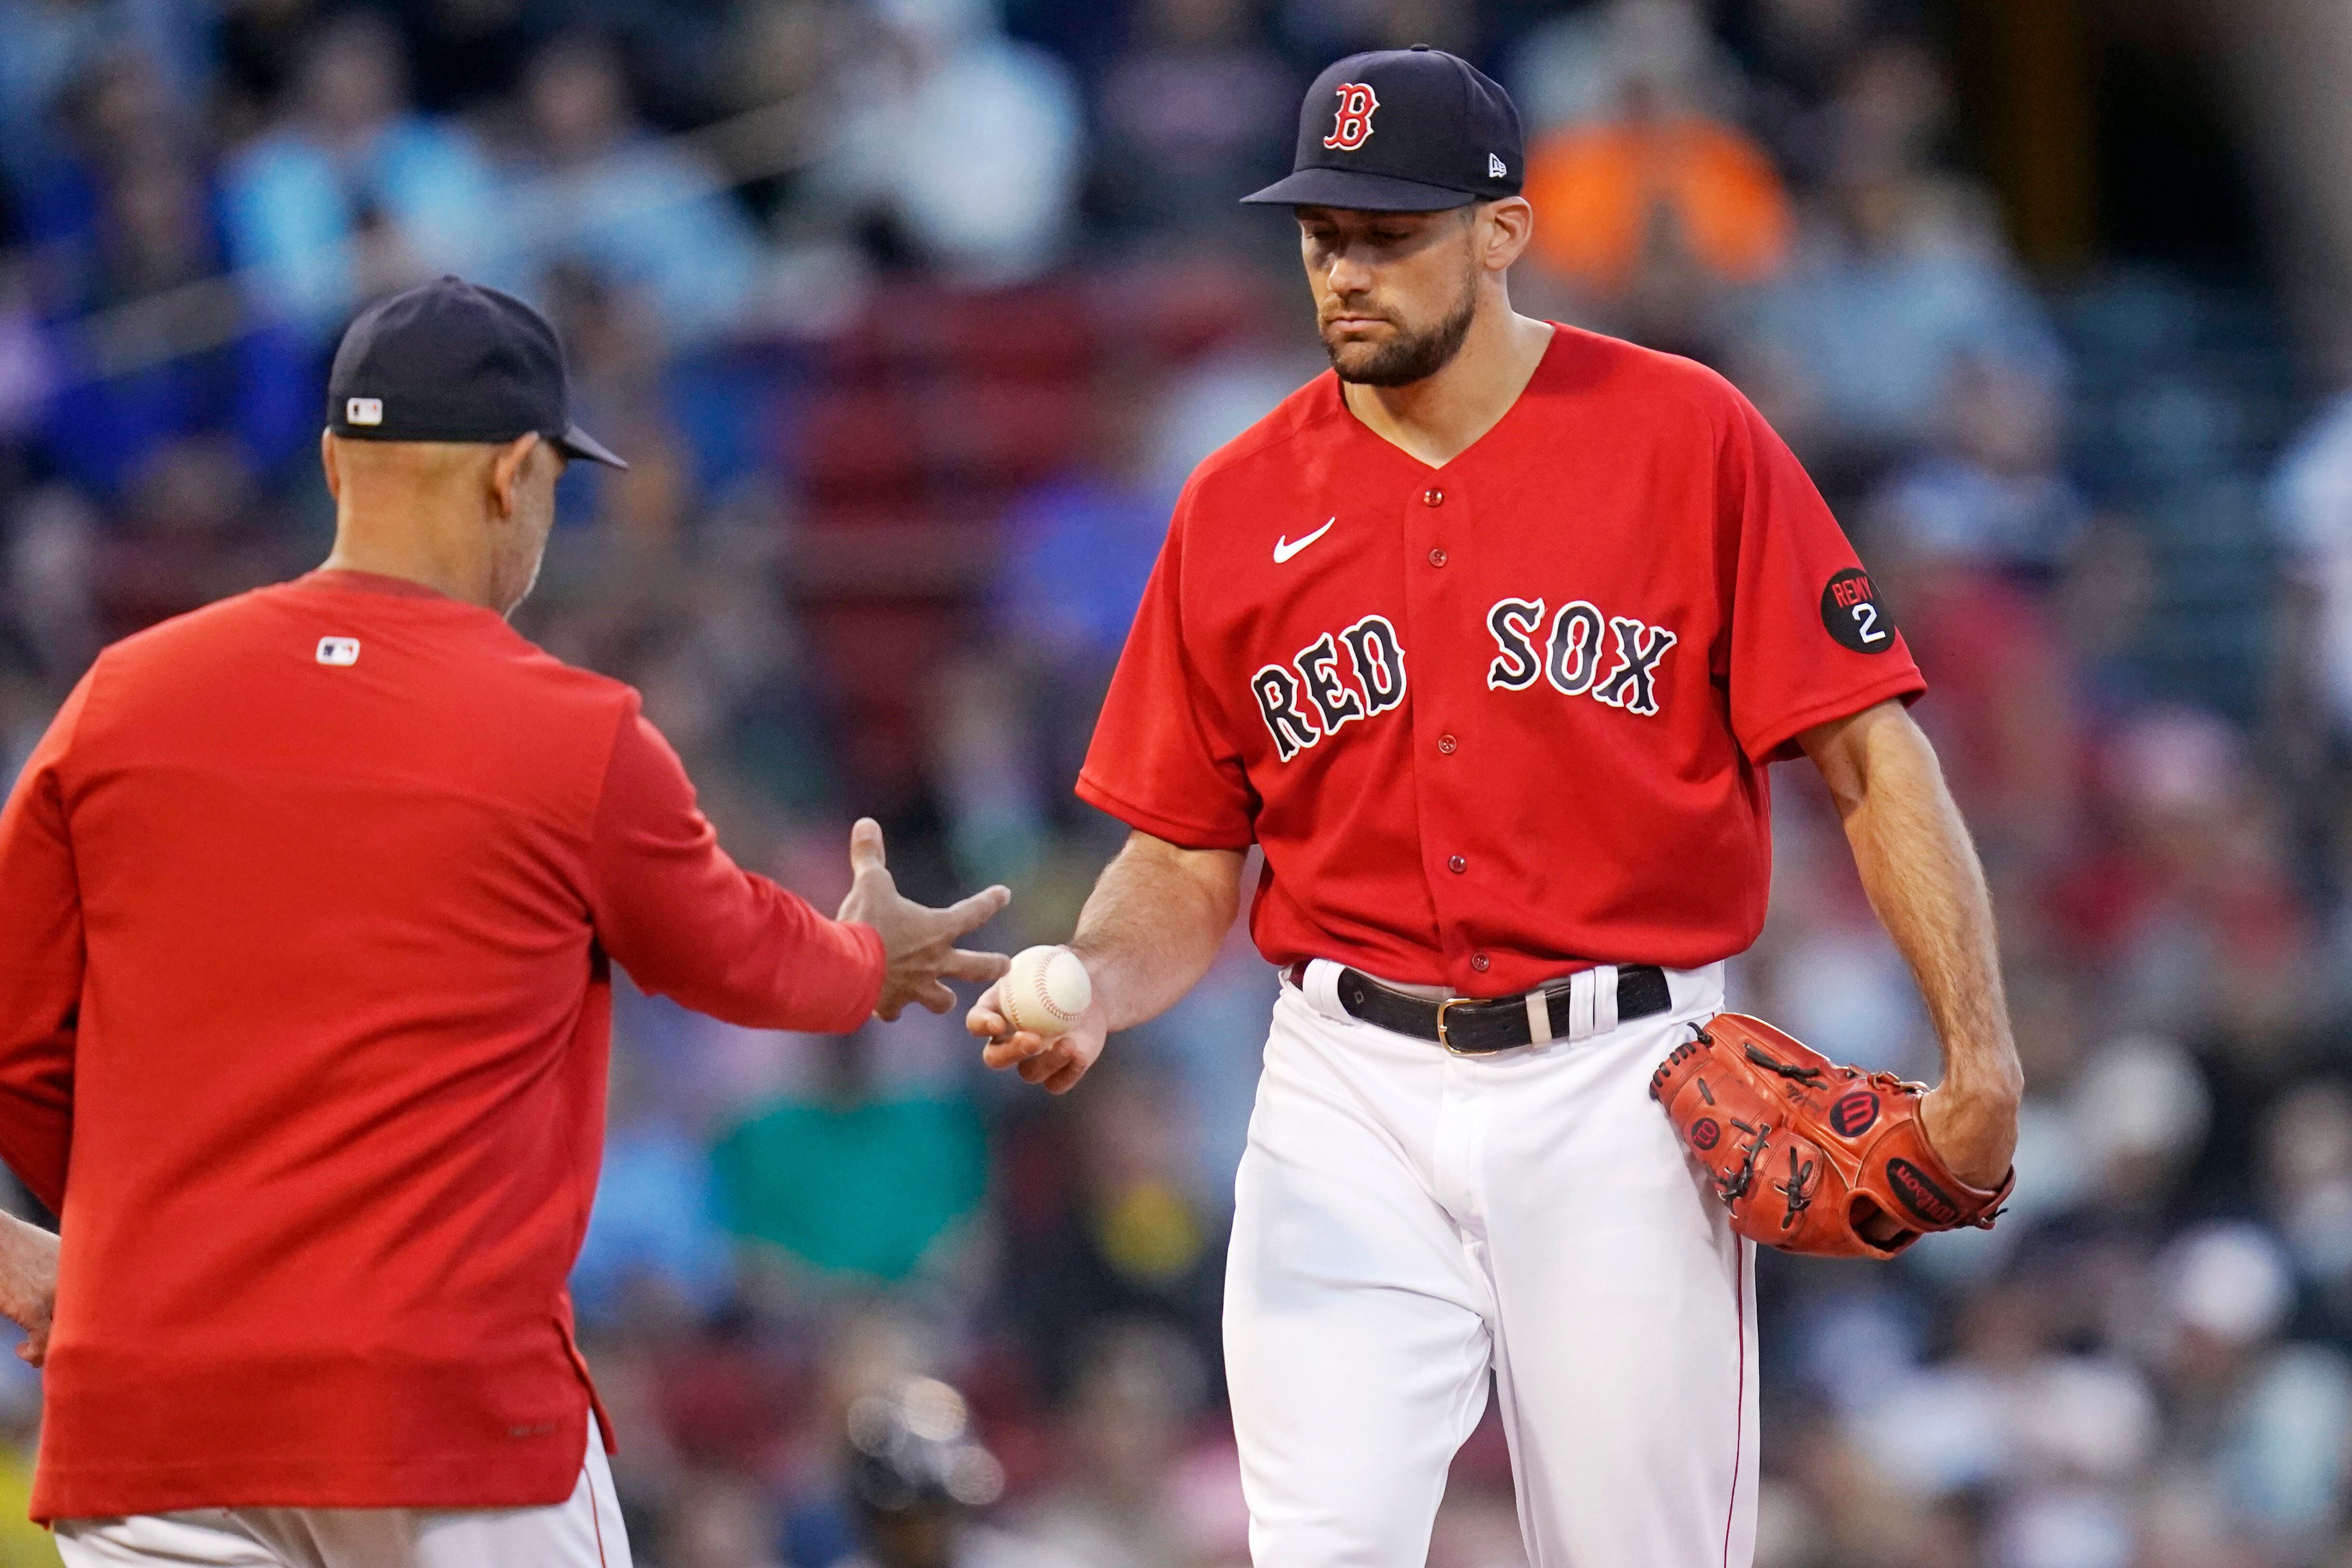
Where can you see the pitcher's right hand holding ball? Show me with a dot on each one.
(1023, 1019)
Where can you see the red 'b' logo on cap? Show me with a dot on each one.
(1354, 125)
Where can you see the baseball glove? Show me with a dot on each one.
(1809, 1155)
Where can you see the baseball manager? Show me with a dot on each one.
(1486, 640)
(313, 897)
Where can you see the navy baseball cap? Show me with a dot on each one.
(452, 360)
(1412, 130)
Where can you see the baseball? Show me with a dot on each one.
(1045, 991)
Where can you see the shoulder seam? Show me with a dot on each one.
(1226, 457)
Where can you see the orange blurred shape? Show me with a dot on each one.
(1600, 191)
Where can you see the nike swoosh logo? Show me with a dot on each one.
(1283, 549)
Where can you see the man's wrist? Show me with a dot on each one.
(1098, 975)
(1985, 1078)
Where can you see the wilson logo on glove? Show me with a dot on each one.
(1827, 1160)
(1920, 1195)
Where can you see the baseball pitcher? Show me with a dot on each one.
(1487, 639)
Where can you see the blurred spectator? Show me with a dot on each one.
(1076, 551)
(915, 1477)
(963, 144)
(353, 194)
(45, 47)
(1991, 493)
(717, 1521)
(613, 343)
(187, 532)
(1201, 108)
(1797, 50)
(127, 217)
(853, 1186)
(595, 190)
(2185, 904)
(1653, 185)
(2272, 1420)
(1137, 1389)
(655, 1247)
(2139, 1115)
(2307, 1166)
(2311, 500)
(1134, 1241)
(1893, 279)
(1577, 67)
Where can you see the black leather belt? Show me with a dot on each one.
(1470, 1027)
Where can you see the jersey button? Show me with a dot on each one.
(1445, 745)
(1437, 558)
(1432, 498)
(1457, 864)
(1478, 960)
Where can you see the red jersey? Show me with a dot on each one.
(1507, 718)
(312, 896)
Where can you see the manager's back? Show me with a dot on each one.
(304, 1009)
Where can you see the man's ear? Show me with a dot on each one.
(327, 463)
(507, 464)
(1509, 223)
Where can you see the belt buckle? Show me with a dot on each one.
(1451, 1049)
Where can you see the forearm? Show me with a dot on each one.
(1921, 873)
(688, 923)
(1153, 924)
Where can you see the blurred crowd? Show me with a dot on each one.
(911, 316)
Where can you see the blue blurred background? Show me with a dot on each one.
(914, 313)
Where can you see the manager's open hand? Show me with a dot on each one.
(919, 941)
(28, 1282)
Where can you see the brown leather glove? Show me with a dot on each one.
(1812, 1157)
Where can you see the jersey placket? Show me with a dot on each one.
(1437, 526)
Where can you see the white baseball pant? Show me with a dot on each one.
(1407, 1220)
(583, 1532)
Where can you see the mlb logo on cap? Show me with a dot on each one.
(363, 411)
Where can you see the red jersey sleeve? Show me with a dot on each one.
(41, 961)
(688, 923)
(1809, 640)
(1160, 760)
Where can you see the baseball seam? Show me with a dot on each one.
(1045, 996)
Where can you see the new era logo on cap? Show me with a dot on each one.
(1494, 170)
(363, 411)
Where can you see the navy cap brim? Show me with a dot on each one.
(1360, 190)
(577, 443)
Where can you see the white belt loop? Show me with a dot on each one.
(1604, 997)
(1320, 985)
(1539, 1017)
(1579, 1004)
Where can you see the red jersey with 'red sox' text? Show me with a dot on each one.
(1507, 718)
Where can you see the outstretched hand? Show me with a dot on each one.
(919, 941)
(28, 1283)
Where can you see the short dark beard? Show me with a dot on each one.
(1414, 356)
